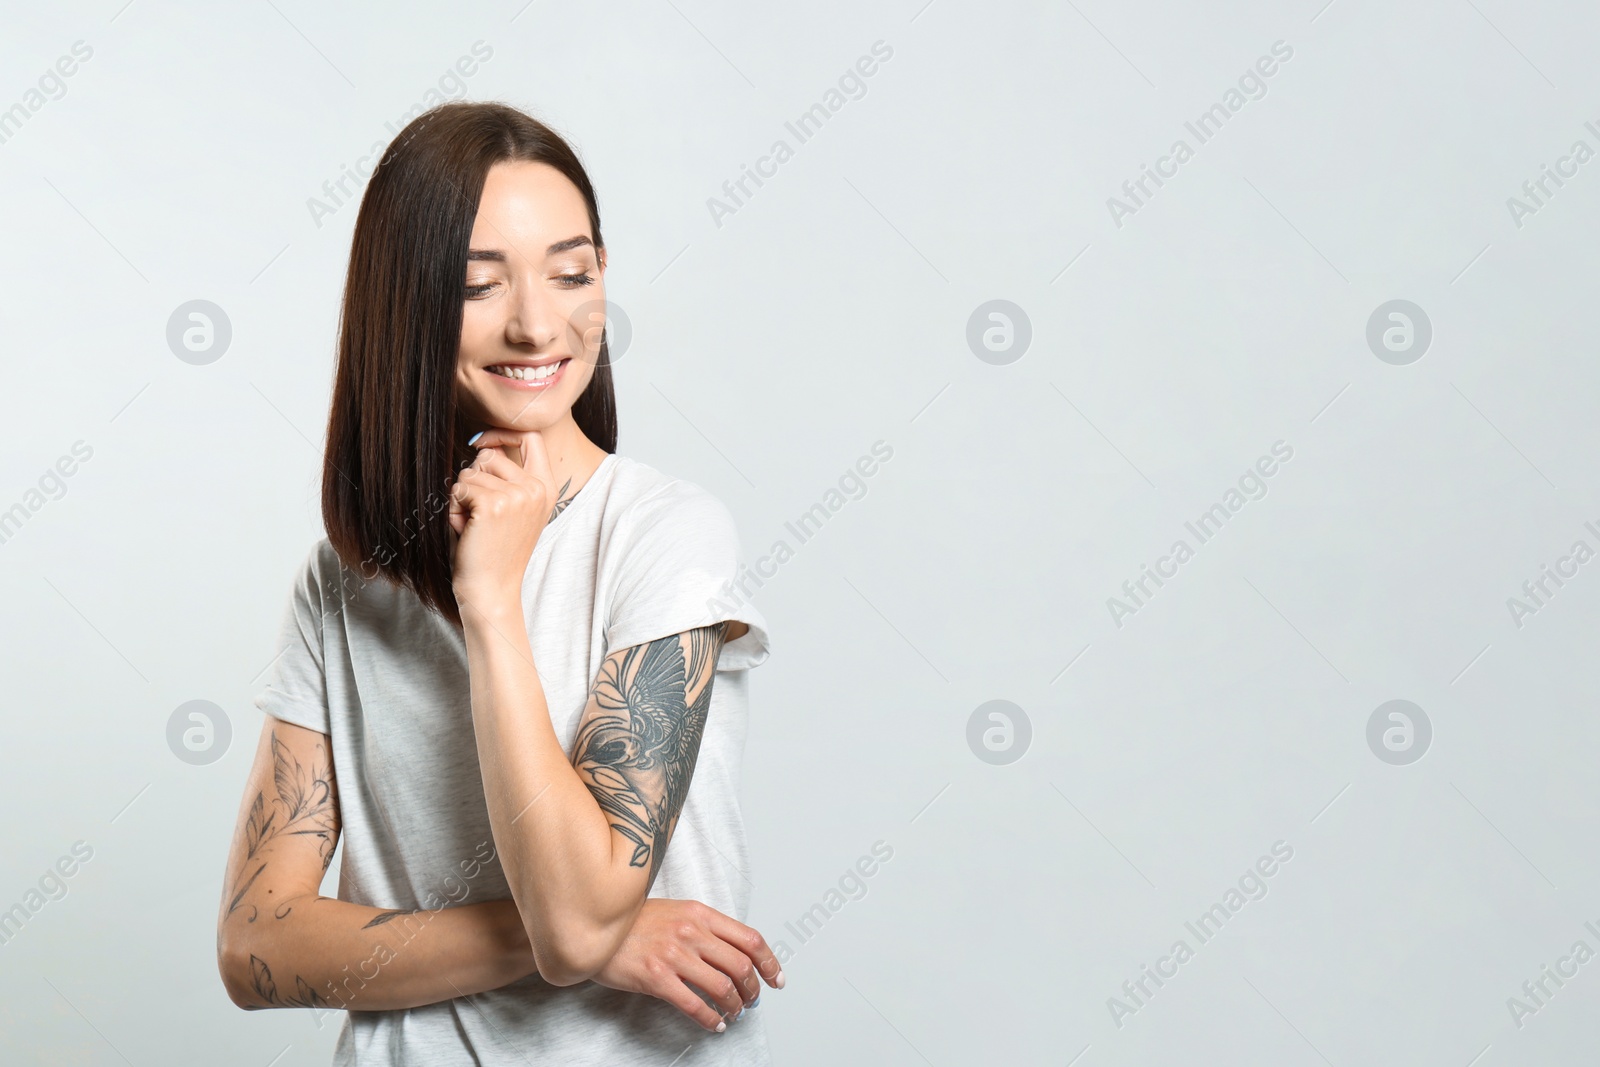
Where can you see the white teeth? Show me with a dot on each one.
(526, 374)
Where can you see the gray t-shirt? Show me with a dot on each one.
(636, 555)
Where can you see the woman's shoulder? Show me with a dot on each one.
(323, 563)
(641, 491)
(323, 576)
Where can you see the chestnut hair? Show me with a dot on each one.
(395, 437)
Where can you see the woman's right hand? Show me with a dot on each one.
(498, 508)
(674, 942)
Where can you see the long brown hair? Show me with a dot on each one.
(394, 435)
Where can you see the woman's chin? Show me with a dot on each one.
(533, 413)
(525, 420)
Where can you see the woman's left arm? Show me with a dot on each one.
(580, 838)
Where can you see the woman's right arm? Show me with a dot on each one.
(280, 944)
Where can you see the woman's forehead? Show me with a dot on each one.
(533, 206)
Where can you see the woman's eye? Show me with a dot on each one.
(568, 281)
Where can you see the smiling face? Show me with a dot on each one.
(534, 301)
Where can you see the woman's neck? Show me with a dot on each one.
(573, 457)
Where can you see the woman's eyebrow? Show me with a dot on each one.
(497, 256)
(570, 243)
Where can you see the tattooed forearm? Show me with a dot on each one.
(637, 754)
(304, 807)
(383, 917)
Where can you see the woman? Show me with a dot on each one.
(511, 670)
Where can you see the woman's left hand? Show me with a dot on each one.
(677, 946)
(498, 508)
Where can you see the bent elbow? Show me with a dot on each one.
(558, 975)
(575, 954)
(233, 965)
(237, 961)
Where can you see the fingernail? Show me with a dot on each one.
(754, 1002)
(736, 1018)
(778, 981)
(721, 1026)
(474, 438)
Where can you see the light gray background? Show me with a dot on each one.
(768, 354)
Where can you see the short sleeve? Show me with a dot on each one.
(680, 569)
(296, 689)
